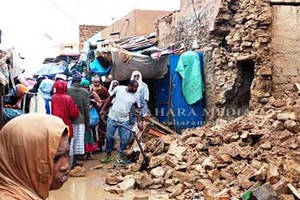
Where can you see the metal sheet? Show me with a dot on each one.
(177, 113)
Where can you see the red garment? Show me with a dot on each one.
(63, 105)
(91, 147)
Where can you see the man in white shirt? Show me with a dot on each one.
(125, 97)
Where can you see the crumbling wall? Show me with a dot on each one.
(230, 33)
(242, 33)
(190, 28)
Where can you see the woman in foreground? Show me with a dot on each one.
(34, 157)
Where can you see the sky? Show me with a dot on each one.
(36, 27)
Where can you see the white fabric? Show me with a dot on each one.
(61, 76)
(40, 106)
(111, 89)
(77, 141)
(123, 102)
(143, 87)
(111, 85)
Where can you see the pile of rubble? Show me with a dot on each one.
(254, 156)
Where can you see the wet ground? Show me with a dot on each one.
(92, 186)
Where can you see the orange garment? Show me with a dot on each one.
(28, 145)
(21, 89)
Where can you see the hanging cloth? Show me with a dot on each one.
(97, 68)
(189, 68)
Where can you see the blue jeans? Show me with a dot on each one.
(124, 134)
(47, 106)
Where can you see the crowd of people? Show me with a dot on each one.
(38, 150)
(94, 114)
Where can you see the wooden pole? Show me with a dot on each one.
(1, 106)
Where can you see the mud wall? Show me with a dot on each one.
(136, 23)
(285, 47)
(87, 31)
(190, 28)
(233, 35)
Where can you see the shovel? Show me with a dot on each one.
(145, 163)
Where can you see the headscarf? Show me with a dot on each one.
(76, 76)
(111, 85)
(61, 77)
(28, 145)
(143, 87)
(45, 88)
(85, 83)
(137, 73)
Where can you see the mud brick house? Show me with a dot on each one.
(251, 49)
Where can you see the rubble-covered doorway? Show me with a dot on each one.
(245, 78)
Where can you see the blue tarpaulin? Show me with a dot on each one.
(97, 68)
(51, 69)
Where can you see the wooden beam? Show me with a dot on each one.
(285, 2)
(1, 106)
(163, 127)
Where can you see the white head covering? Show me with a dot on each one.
(143, 87)
(61, 76)
(111, 85)
(137, 73)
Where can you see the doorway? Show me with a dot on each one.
(239, 98)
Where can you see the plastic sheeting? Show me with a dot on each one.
(97, 68)
(51, 69)
(149, 68)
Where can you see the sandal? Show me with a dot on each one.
(106, 159)
(123, 161)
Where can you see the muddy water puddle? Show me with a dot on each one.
(92, 187)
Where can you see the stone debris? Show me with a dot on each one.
(113, 179)
(78, 172)
(297, 87)
(97, 167)
(247, 156)
(121, 187)
(141, 198)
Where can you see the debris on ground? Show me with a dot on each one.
(97, 167)
(255, 156)
(78, 172)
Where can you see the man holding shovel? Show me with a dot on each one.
(125, 97)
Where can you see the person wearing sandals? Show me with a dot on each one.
(125, 97)
(103, 94)
(91, 133)
(82, 98)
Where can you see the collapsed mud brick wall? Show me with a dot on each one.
(246, 48)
